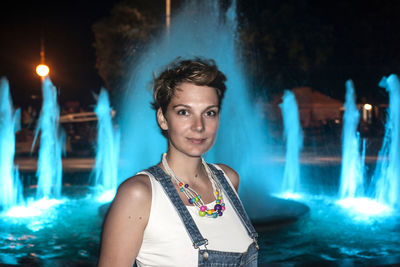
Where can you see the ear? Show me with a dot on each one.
(162, 121)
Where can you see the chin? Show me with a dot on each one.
(196, 152)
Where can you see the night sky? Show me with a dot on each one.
(66, 30)
(366, 36)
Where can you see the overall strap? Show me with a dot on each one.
(169, 189)
(236, 203)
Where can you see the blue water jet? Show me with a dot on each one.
(52, 139)
(294, 142)
(352, 180)
(387, 171)
(352, 169)
(107, 148)
(10, 185)
(198, 30)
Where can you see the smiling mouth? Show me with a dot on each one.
(197, 141)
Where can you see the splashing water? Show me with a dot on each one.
(10, 185)
(107, 149)
(352, 172)
(294, 143)
(197, 30)
(49, 171)
(387, 172)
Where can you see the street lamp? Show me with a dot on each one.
(367, 113)
(167, 15)
(42, 70)
(367, 106)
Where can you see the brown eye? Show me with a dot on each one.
(183, 112)
(211, 113)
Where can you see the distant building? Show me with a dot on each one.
(315, 108)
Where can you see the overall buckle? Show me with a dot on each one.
(256, 243)
(204, 253)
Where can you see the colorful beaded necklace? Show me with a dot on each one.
(193, 197)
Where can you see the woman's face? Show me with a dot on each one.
(191, 119)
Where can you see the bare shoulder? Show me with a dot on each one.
(137, 188)
(133, 198)
(125, 222)
(232, 175)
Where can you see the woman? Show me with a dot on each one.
(183, 211)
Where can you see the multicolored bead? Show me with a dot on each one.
(193, 197)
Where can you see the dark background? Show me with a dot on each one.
(333, 41)
(65, 27)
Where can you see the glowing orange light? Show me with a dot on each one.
(367, 106)
(42, 70)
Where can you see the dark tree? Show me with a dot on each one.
(119, 40)
(284, 43)
(320, 44)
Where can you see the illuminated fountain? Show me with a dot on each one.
(49, 170)
(10, 185)
(294, 143)
(352, 172)
(71, 231)
(207, 37)
(352, 189)
(345, 229)
(107, 149)
(387, 172)
(49, 166)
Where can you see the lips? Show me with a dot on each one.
(197, 141)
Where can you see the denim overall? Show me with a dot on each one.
(211, 257)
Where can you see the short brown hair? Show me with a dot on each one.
(201, 72)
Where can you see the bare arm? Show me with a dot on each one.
(125, 223)
(232, 175)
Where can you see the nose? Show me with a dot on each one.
(198, 124)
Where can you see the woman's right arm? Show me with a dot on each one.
(125, 223)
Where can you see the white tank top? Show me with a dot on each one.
(167, 243)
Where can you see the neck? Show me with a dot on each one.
(188, 169)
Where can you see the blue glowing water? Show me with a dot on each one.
(352, 169)
(69, 234)
(332, 236)
(294, 142)
(10, 185)
(49, 170)
(71, 230)
(68, 231)
(197, 30)
(107, 148)
(387, 172)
